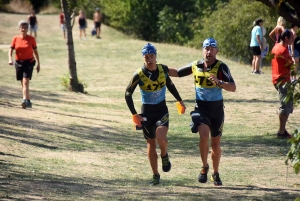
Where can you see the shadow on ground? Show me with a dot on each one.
(16, 187)
(28, 186)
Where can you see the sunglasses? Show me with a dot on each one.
(212, 44)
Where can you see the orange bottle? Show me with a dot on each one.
(180, 108)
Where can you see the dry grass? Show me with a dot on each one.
(73, 146)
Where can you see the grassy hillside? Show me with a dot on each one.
(72, 146)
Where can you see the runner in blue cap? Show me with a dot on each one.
(210, 77)
(153, 79)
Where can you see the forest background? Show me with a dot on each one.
(178, 22)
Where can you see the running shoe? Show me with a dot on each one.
(23, 104)
(285, 135)
(202, 178)
(155, 180)
(257, 72)
(28, 104)
(216, 179)
(166, 164)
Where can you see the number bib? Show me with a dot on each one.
(153, 92)
(201, 78)
(205, 89)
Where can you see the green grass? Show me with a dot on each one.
(73, 146)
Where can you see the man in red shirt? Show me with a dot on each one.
(62, 23)
(281, 70)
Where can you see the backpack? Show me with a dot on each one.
(94, 32)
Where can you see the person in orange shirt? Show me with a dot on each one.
(281, 72)
(25, 58)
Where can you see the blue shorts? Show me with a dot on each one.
(82, 27)
(63, 27)
(296, 54)
(33, 28)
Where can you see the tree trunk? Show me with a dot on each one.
(288, 9)
(74, 84)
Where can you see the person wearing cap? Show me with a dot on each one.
(256, 44)
(153, 80)
(25, 59)
(211, 76)
(282, 63)
(97, 17)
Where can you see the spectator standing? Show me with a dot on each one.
(293, 51)
(256, 45)
(265, 50)
(33, 24)
(82, 24)
(97, 17)
(62, 23)
(281, 68)
(25, 59)
(276, 32)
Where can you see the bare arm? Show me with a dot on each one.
(272, 33)
(10, 62)
(37, 59)
(173, 72)
(259, 41)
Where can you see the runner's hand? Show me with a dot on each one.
(137, 119)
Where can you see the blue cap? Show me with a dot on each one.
(148, 49)
(210, 42)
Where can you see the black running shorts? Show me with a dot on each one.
(210, 113)
(157, 115)
(24, 69)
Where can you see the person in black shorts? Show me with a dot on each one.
(97, 17)
(153, 80)
(210, 77)
(256, 45)
(26, 55)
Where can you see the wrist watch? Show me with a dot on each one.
(220, 83)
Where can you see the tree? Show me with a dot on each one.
(288, 9)
(74, 84)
